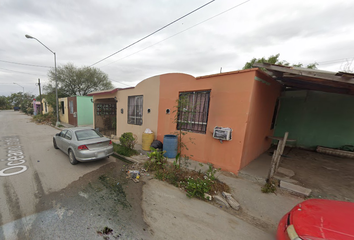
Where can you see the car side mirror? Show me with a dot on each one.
(58, 134)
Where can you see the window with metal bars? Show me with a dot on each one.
(135, 110)
(193, 109)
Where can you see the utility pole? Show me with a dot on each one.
(40, 95)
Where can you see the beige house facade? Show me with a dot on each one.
(63, 110)
(46, 107)
(136, 109)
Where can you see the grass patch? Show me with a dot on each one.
(270, 187)
(195, 183)
(48, 118)
(121, 158)
(122, 150)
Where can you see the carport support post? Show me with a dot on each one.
(281, 150)
(277, 155)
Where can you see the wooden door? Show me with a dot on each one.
(72, 105)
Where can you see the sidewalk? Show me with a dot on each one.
(257, 208)
(67, 125)
(265, 209)
(172, 215)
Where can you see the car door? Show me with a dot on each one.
(67, 141)
(59, 139)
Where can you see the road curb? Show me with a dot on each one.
(129, 159)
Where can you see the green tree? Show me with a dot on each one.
(16, 98)
(4, 102)
(73, 81)
(50, 98)
(274, 59)
(23, 100)
(182, 112)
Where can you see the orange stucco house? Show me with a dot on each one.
(243, 100)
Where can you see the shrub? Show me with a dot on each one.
(171, 175)
(48, 118)
(195, 183)
(269, 187)
(210, 173)
(197, 187)
(127, 140)
(30, 110)
(122, 150)
(156, 159)
(202, 183)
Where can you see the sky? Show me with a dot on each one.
(220, 37)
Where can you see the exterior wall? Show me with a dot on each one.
(316, 118)
(49, 108)
(265, 93)
(230, 99)
(84, 110)
(36, 107)
(149, 88)
(63, 117)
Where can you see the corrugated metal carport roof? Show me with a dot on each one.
(310, 79)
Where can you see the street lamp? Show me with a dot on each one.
(23, 89)
(56, 80)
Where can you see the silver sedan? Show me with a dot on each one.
(83, 144)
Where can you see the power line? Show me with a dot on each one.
(25, 64)
(22, 72)
(120, 83)
(334, 61)
(152, 33)
(31, 92)
(179, 32)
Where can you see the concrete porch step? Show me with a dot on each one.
(295, 188)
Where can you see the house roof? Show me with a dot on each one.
(108, 91)
(103, 92)
(226, 73)
(310, 79)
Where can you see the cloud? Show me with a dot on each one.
(84, 32)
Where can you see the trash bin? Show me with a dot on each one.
(170, 146)
(147, 139)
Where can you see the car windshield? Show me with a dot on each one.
(87, 134)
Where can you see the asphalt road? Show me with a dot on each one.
(43, 196)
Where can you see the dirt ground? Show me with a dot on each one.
(328, 176)
(101, 200)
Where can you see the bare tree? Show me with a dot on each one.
(73, 81)
(347, 66)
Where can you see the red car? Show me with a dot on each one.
(318, 219)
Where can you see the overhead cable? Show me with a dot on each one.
(25, 64)
(120, 83)
(22, 72)
(334, 61)
(152, 33)
(179, 32)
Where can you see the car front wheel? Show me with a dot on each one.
(55, 144)
(72, 158)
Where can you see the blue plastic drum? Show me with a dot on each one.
(170, 146)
